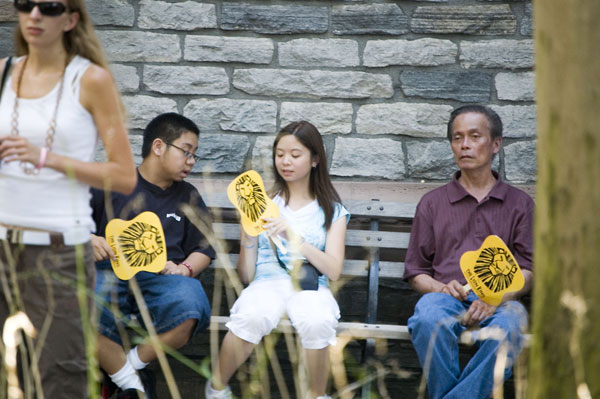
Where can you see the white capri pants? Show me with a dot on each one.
(314, 314)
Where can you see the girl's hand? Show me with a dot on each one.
(279, 227)
(17, 148)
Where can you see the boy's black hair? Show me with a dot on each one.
(168, 127)
(492, 117)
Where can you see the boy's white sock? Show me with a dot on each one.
(127, 378)
(134, 359)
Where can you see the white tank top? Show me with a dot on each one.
(49, 200)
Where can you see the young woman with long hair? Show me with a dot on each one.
(312, 225)
(58, 98)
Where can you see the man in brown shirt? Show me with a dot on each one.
(449, 221)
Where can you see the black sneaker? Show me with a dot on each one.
(130, 393)
(108, 386)
(149, 382)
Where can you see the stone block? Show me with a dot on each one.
(135, 141)
(461, 86)
(335, 53)
(228, 49)
(274, 19)
(7, 12)
(233, 115)
(327, 117)
(187, 15)
(501, 53)
(420, 52)
(410, 119)
(221, 153)
(516, 86)
(137, 46)
(527, 21)
(517, 120)
(186, 80)
(520, 162)
(380, 158)
(262, 157)
(430, 160)
(111, 12)
(142, 109)
(7, 41)
(368, 19)
(313, 83)
(126, 77)
(470, 20)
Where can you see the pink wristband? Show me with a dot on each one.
(188, 267)
(43, 155)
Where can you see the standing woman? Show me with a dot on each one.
(312, 226)
(59, 97)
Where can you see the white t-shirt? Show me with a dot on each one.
(309, 223)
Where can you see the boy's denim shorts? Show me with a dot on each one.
(170, 299)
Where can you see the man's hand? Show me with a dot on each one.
(455, 289)
(102, 250)
(174, 268)
(478, 312)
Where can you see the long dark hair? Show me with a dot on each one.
(320, 183)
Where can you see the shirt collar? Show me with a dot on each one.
(456, 192)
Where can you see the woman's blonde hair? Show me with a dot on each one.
(81, 40)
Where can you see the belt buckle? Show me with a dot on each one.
(56, 239)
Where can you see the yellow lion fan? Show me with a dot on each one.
(492, 271)
(138, 244)
(247, 193)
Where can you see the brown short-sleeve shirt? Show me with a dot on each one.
(449, 221)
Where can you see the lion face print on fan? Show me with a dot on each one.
(247, 193)
(492, 271)
(138, 244)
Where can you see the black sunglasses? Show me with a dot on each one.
(47, 8)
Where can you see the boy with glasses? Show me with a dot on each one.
(175, 299)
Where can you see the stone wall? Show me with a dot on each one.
(378, 78)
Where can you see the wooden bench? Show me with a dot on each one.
(373, 241)
(376, 243)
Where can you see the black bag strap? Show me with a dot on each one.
(283, 266)
(5, 74)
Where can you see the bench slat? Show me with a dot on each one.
(364, 208)
(354, 238)
(379, 209)
(355, 330)
(354, 268)
(360, 330)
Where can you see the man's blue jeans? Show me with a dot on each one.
(435, 322)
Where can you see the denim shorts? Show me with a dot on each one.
(170, 299)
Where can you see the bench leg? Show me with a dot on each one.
(365, 392)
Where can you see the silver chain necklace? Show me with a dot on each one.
(27, 167)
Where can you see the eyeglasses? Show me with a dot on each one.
(47, 8)
(188, 155)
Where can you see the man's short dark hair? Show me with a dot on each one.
(492, 117)
(168, 127)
